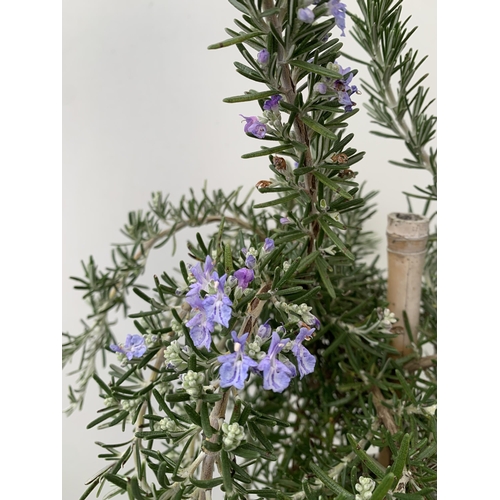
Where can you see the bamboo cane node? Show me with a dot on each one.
(407, 226)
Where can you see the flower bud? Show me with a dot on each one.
(193, 383)
(173, 357)
(233, 435)
(263, 57)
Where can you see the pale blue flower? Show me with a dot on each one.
(268, 245)
(306, 15)
(200, 325)
(208, 302)
(234, 368)
(276, 373)
(264, 331)
(320, 87)
(338, 10)
(250, 261)
(203, 278)
(218, 305)
(284, 220)
(134, 347)
(343, 87)
(305, 359)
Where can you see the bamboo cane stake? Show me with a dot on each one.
(407, 236)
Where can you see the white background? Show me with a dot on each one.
(143, 112)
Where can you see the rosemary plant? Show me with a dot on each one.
(264, 367)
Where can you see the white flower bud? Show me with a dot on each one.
(365, 487)
(176, 326)
(150, 339)
(165, 424)
(238, 293)
(430, 410)
(173, 357)
(233, 435)
(129, 404)
(193, 383)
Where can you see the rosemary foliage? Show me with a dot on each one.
(209, 399)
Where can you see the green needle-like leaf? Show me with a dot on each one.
(250, 96)
(207, 484)
(268, 151)
(279, 201)
(332, 185)
(338, 242)
(226, 472)
(384, 486)
(323, 273)
(234, 40)
(400, 460)
(320, 129)
(370, 462)
(314, 68)
(329, 482)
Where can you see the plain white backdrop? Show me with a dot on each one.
(143, 112)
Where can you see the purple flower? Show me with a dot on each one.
(343, 89)
(254, 126)
(203, 279)
(263, 57)
(345, 100)
(343, 71)
(306, 15)
(264, 331)
(213, 306)
(268, 245)
(338, 10)
(284, 220)
(250, 261)
(320, 88)
(134, 347)
(218, 306)
(234, 368)
(277, 374)
(200, 327)
(244, 277)
(273, 103)
(305, 359)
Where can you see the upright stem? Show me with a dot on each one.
(218, 412)
(288, 89)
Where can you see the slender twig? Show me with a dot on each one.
(383, 412)
(421, 363)
(218, 412)
(288, 89)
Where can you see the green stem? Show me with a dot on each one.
(287, 87)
